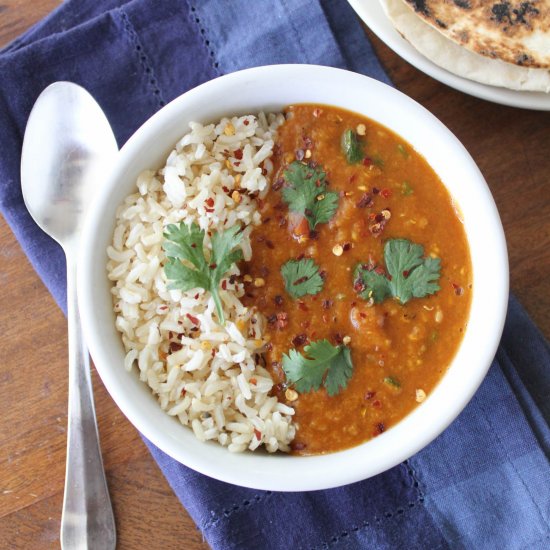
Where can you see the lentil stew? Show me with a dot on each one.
(372, 193)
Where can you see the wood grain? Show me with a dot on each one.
(511, 148)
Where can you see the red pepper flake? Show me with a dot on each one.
(183, 392)
(353, 177)
(278, 184)
(375, 190)
(266, 220)
(264, 171)
(327, 304)
(297, 446)
(209, 202)
(299, 340)
(406, 273)
(386, 193)
(246, 122)
(459, 291)
(359, 285)
(365, 201)
(280, 320)
(346, 246)
(213, 266)
(338, 338)
(238, 154)
(175, 346)
(193, 319)
(269, 244)
(209, 210)
(163, 308)
(253, 381)
(224, 284)
(196, 297)
(278, 300)
(308, 143)
(213, 352)
(302, 305)
(367, 161)
(370, 395)
(380, 427)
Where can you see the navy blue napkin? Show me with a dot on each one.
(485, 482)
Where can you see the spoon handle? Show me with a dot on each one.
(87, 521)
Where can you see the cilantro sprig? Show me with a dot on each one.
(322, 364)
(410, 274)
(306, 193)
(186, 242)
(302, 277)
(352, 147)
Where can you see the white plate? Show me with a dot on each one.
(372, 13)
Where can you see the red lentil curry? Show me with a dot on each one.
(362, 269)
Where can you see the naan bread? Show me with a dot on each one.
(514, 31)
(458, 60)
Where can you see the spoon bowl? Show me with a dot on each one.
(67, 149)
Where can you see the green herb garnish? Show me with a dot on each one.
(393, 382)
(352, 147)
(410, 274)
(406, 189)
(307, 193)
(323, 364)
(186, 242)
(378, 161)
(301, 277)
(403, 150)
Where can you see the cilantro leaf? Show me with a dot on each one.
(306, 193)
(371, 284)
(301, 277)
(323, 364)
(410, 274)
(186, 242)
(352, 147)
(323, 210)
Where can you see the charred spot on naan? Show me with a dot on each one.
(513, 31)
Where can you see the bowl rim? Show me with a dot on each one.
(286, 473)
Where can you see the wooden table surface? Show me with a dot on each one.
(512, 149)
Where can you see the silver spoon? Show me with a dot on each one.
(68, 145)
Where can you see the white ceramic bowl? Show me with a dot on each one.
(271, 88)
